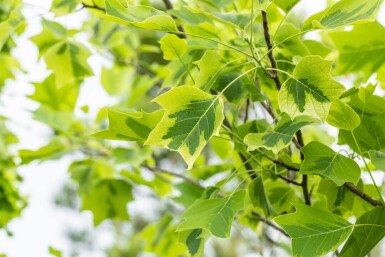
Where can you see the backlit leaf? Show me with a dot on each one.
(140, 16)
(280, 137)
(311, 89)
(130, 126)
(108, 199)
(191, 118)
(355, 54)
(320, 159)
(63, 7)
(8, 26)
(368, 231)
(68, 61)
(215, 215)
(378, 159)
(172, 47)
(314, 232)
(342, 116)
(346, 12)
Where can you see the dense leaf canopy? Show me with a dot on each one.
(225, 112)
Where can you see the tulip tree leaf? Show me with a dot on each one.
(191, 118)
(311, 89)
(370, 134)
(68, 61)
(140, 16)
(286, 5)
(355, 54)
(320, 159)
(346, 12)
(209, 67)
(314, 232)
(130, 126)
(215, 215)
(342, 116)
(108, 199)
(173, 47)
(280, 137)
(378, 159)
(194, 240)
(8, 26)
(368, 231)
(63, 7)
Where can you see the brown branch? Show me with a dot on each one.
(270, 223)
(274, 74)
(304, 183)
(361, 194)
(94, 6)
(289, 180)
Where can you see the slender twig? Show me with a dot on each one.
(169, 6)
(289, 180)
(361, 194)
(304, 183)
(270, 223)
(174, 174)
(93, 6)
(273, 62)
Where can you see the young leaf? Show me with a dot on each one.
(68, 61)
(130, 126)
(215, 215)
(280, 137)
(191, 118)
(356, 54)
(320, 159)
(378, 159)
(314, 232)
(209, 68)
(342, 116)
(64, 7)
(140, 16)
(172, 47)
(108, 199)
(346, 12)
(368, 231)
(311, 89)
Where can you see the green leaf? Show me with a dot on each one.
(320, 159)
(342, 116)
(8, 26)
(209, 67)
(52, 33)
(172, 47)
(280, 137)
(60, 99)
(68, 61)
(314, 232)
(108, 199)
(115, 79)
(368, 231)
(140, 16)
(286, 5)
(258, 196)
(311, 89)
(346, 12)
(191, 118)
(130, 126)
(358, 55)
(215, 215)
(378, 159)
(370, 134)
(64, 7)
(54, 252)
(194, 240)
